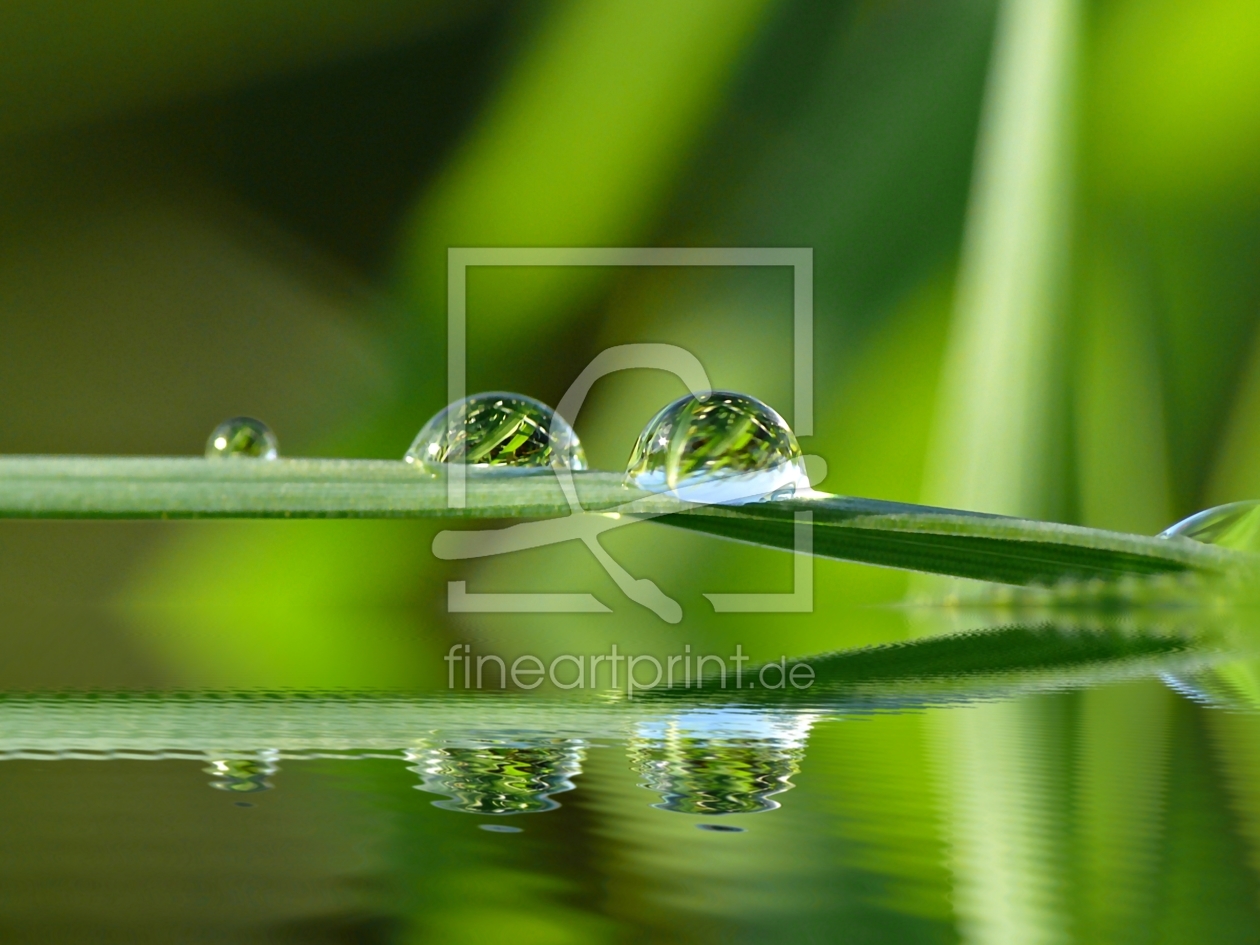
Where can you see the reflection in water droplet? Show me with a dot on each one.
(504, 778)
(497, 429)
(718, 447)
(698, 769)
(244, 775)
(498, 828)
(242, 438)
(1236, 526)
(721, 828)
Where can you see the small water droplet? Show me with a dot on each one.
(242, 438)
(718, 447)
(1236, 526)
(721, 828)
(497, 429)
(498, 828)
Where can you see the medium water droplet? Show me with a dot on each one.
(718, 447)
(242, 438)
(721, 828)
(1236, 526)
(516, 778)
(497, 429)
(244, 775)
(498, 828)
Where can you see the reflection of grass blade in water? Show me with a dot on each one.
(962, 667)
(964, 544)
(955, 669)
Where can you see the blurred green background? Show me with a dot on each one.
(1036, 235)
(1036, 229)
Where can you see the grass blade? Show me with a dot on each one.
(891, 534)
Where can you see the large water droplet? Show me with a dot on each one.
(718, 447)
(517, 778)
(1236, 526)
(497, 429)
(242, 438)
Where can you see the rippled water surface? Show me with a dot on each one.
(1023, 783)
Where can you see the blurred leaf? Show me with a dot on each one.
(64, 61)
(1176, 98)
(335, 623)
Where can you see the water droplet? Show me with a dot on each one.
(721, 828)
(498, 828)
(515, 778)
(718, 447)
(244, 775)
(1236, 526)
(698, 775)
(497, 429)
(242, 438)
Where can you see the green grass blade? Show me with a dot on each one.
(958, 544)
(962, 544)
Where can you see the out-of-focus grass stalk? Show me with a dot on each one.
(1005, 768)
(991, 444)
(991, 450)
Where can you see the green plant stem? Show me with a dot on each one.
(942, 541)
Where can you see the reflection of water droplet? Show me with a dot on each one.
(497, 429)
(244, 804)
(1236, 526)
(516, 778)
(699, 769)
(499, 828)
(244, 775)
(718, 447)
(242, 438)
(721, 828)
